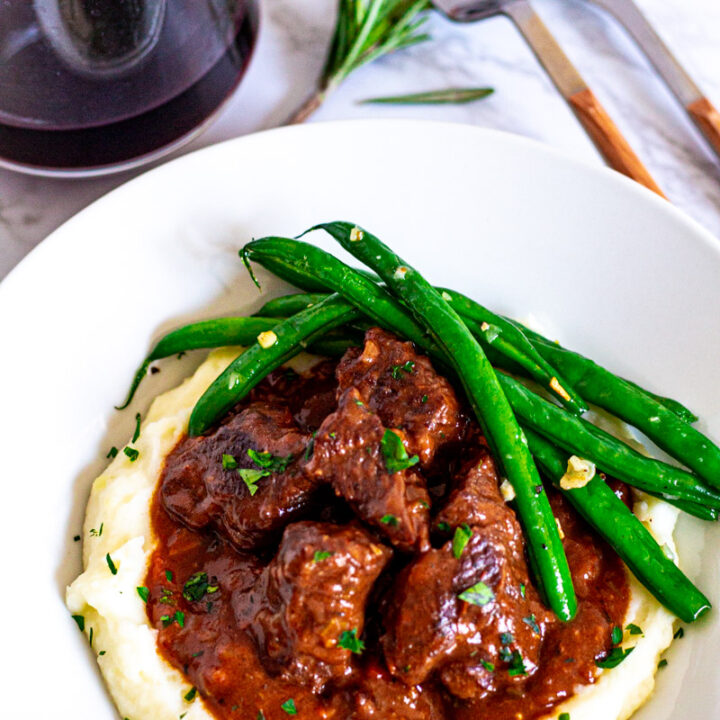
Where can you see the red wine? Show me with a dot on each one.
(92, 84)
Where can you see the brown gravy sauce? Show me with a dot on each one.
(202, 639)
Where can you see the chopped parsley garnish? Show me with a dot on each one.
(268, 461)
(260, 715)
(564, 716)
(168, 575)
(678, 633)
(198, 653)
(251, 476)
(143, 592)
(395, 454)
(132, 453)
(390, 520)
(111, 564)
(398, 370)
(461, 539)
(522, 590)
(178, 617)
(506, 638)
(80, 620)
(289, 707)
(320, 555)
(90, 636)
(229, 462)
(76, 538)
(517, 666)
(505, 654)
(613, 658)
(532, 624)
(634, 629)
(166, 598)
(350, 641)
(112, 452)
(424, 399)
(662, 664)
(487, 665)
(359, 403)
(190, 694)
(136, 434)
(443, 527)
(197, 586)
(479, 594)
(616, 635)
(102, 652)
(98, 532)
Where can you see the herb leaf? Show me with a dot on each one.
(289, 707)
(616, 636)
(267, 461)
(350, 641)
(395, 454)
(196, 587)
(251, 476)
(479, 594)
(390, 520)
(614, 658)
(517, 666)
(80, 620)
(190, 694)
(398, 370)
(321, 555)
(531, 622)
(634, 629)
(461, 539)
(136, 434)
(143, 592)
(131, 453)
(111, 564)
(229, 462)
(456, 96)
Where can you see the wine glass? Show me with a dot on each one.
(95, 86)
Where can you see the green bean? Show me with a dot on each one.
(637, 408)
(248, 369)
(308, 266)
(511, 342)
(613, 521)
(489, 403)
(203, 334)
(582, 438)
(221, 332)
(300, 258)
(584, 368)
(287, 305)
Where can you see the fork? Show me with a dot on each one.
(582, 101)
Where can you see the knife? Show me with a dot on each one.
(582, 101)
(698, 107)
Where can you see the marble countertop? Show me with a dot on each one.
(290, 54)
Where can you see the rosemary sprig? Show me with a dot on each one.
(433, 97)
(365, 30)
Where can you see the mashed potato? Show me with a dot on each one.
(145, 687)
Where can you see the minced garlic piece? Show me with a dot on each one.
(446, 296)
(507, 490)
(559, 389)
(267, 339)
(560, 530)
(485, 327)
(579, 473)
(356, 234)
(400, 273)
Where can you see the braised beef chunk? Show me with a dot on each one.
(467, 608)
(380, 696)
(348, 453)
(310, 396)
(307, 609)
(250, 512)
(403, 388)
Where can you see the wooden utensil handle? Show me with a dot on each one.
(707, 118)
(608, 140)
